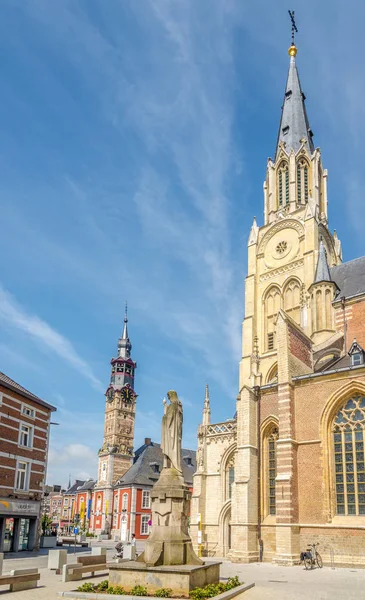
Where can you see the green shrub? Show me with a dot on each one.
(86, 587)
(138, 590)
(232, 583)
(213, 589)
(163, 593)
(103, 585)
(116, 589)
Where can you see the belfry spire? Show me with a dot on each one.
(294, 124)
(124, 343)
(125, 328)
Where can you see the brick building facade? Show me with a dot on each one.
(24, 436)
(289, 469)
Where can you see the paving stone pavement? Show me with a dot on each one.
(272, 582)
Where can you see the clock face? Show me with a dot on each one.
(127, 394)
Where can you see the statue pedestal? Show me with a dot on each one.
(169, 542)
(180, 578)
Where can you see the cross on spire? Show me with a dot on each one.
(294, 28)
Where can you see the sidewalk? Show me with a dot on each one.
(272, 582)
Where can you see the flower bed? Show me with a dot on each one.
(209, 591)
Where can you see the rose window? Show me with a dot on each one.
(281, 247)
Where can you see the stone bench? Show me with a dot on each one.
(21, 579)
(85, 564)
(70, 541)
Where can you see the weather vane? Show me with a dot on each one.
(294, 28)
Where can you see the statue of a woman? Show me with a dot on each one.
(172, 432)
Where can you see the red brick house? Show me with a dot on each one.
(24, 438)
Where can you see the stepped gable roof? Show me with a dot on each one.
(88, 485)
(350, 277)
(16, 387)
(142, 471)
(74, 487)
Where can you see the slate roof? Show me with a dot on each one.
(16, 387)
(350, 277)
(294, 124)
(322, 270)
(142, 471)
(88, 485)
(72, 490)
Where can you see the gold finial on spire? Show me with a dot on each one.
(293, 49)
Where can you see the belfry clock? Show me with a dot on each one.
(127, 394)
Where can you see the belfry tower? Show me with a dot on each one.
(116, 453)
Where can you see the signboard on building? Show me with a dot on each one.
(19, 507)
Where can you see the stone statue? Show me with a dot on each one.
(169, 542)
(171, 437)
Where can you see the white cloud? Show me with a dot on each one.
(14, 315)
(77, 461)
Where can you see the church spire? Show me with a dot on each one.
(294, 124)
(322, 270)
(206, 410)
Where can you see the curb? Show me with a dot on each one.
(90, 596)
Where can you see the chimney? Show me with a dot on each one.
(147, 441)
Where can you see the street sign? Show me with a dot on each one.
(76, 530)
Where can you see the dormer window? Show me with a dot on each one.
(155, 467)
(187, 460)
(286, 130)
(357, 354)
(357, 359)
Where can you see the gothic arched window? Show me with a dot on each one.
(271, 474)
(349, 459)
(292, 300)
(283, 184)
(229, 476)
(302, 181)
(272, 307)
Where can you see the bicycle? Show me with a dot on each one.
(311, 557)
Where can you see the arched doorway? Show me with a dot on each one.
(225, 528)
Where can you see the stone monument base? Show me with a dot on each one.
(180, 578)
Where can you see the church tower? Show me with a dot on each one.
(116, 453)
(283, 253)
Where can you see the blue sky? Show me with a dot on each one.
(134, 136)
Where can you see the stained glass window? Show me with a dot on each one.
(271, 448)
(349, 457)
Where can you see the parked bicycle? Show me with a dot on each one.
(311, 557)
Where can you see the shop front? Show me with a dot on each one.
(18, 524)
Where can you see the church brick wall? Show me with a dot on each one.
(355, 322)
(268, 405)
(300, 347)
(340, 546)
